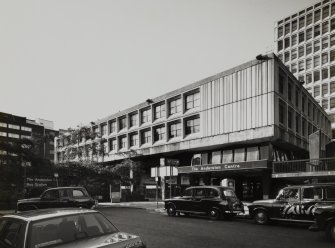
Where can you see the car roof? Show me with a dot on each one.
(311, 185)
(48, 213)
(74, 187)
(208, 187)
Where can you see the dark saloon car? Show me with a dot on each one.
(325, 221)
(293, 203)
(214, 201)
(58, 198)
(63, 228)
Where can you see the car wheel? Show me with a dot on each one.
(330, 231)
(171, 210)
(261, 217)
(214, 214)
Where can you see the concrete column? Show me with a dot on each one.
(266, 183)
(163, 187)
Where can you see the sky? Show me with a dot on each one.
(76, 61)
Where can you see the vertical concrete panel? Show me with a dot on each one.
(253, 81)
(265, 109)
(221, 119)
(249, 82)
(271, 75)
(265, 77)
(271, 108)
(225, 89)
(249, 113)
(221, 91)
(254, 112)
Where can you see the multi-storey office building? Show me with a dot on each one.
(230, 125)
(16, 128)
(305, 42)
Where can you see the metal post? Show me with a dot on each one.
(156, 178)
(170, 181)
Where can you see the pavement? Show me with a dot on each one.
(152, 206)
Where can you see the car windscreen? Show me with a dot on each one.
(67, 229)
(229, 194)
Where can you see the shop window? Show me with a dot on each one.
(227, 156)
(196, 159)
(252, 153)
(239, 155)
(216, 157)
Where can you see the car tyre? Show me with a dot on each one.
(171, 210)
(214, 214)
(330, 231)
(261, 217)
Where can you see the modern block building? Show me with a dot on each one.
(15, 129)
(228, 126)
(305, 42)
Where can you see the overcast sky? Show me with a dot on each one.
(75, 61)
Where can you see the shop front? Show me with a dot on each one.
(250, 180)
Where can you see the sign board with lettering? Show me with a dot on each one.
(224, 167)
(172, 162)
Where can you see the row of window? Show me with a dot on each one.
(158, 111)
(295, 96)
(158, 133)
(307, 49)
(14, 135)
(306, 20)
(308, 35)
(17, 127)
(296, 122)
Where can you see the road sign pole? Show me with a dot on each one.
(170, 182)
(156, 178)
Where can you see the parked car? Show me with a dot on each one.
(58, 198)
(214, 201)
(325, 221)
(63, 228)
(293, 203)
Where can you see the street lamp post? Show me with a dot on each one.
(56, 176)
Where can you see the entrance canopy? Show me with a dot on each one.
(259, 164)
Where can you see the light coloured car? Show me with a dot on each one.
(76, 228)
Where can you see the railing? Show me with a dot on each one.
(308, 165)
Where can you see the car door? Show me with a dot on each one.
(197, 204)
(286, 203)
(65, 198)
(310, 197)
(79, 198)
(12, 232)
(50, 199)
(185, 202)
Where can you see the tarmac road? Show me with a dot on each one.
(160, 231)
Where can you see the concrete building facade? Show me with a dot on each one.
(228, 126)
(305, 42)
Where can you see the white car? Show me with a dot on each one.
(76, 228)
